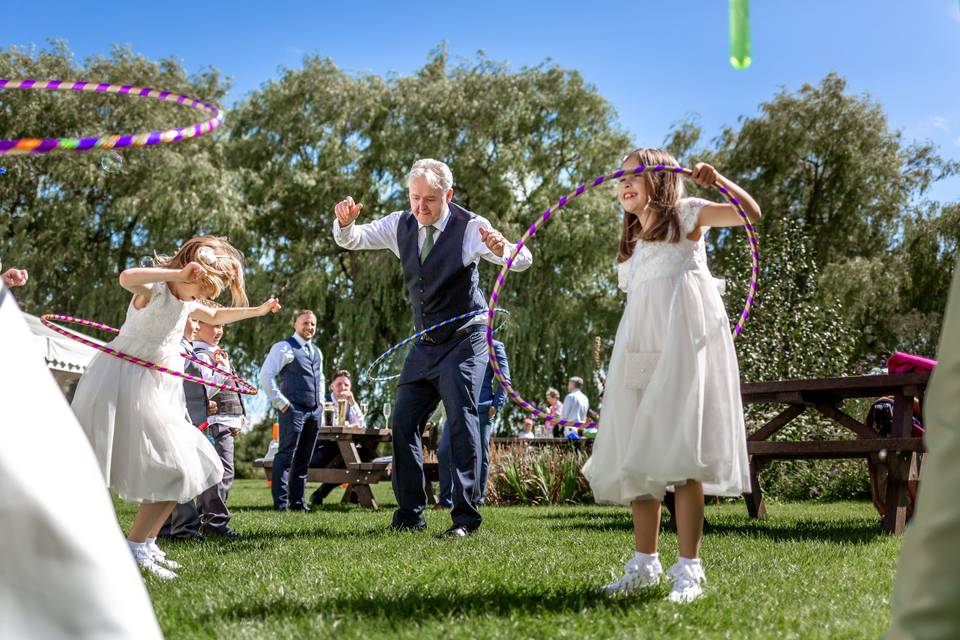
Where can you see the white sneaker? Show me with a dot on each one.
(637, 576)
(688, 581)
(145, 561)
(160, 557)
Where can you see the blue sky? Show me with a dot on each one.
(655, 61)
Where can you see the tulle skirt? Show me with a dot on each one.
(684, 419)
(135, 419)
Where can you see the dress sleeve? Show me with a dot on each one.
(690, 213)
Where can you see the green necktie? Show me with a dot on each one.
(427, 242)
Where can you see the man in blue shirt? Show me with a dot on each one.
(298, 364)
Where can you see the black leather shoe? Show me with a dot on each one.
(225, 532)
(407, 527)
(299, 507)
(457, 531)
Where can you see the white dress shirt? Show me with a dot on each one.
(575, 407)
(382, 234)
(201, 349)
(280, 356)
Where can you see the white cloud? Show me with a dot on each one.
(938, 122)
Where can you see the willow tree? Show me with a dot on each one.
(516, 141)
(75, 225)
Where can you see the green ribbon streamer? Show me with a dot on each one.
(740, 34)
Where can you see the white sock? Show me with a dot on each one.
(645, 557)
(136, 546)
(695, 562)
(151, 542)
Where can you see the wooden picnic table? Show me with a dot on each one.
(899, 453)
(348, 468)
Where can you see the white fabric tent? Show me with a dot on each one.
(65, 569)
(67, 359)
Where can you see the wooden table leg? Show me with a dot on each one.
(755, 506)
(897, 497)
(431, 496)
(365, 495)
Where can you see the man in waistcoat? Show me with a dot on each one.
(439, 245)
(223, 427)
(298, 365)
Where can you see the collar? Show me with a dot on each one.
(440, 224)
(200, 344)
(186, 343)
(301, 341)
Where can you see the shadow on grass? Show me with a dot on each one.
(856, 531)
(326, 508)
(404, 607)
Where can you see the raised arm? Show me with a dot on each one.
(379, 234)
(490, 245)
(14, 277)
(137, 281)
(229, 315)
(724, 214)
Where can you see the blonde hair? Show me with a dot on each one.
(664, 188)
(436, 173)
(223, 263)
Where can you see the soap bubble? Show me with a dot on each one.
(112, 162)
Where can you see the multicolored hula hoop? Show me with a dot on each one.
(542, 219)
(386, 354)
(242, 386)
(24, 146)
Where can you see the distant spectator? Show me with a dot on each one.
(575, 405)
(527, 429)
(553, 412)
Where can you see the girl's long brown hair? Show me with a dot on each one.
(224, 269)
(664, 188)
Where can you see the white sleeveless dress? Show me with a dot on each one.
(671, 410)
(135, 417)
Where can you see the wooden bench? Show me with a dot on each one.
(899, 453)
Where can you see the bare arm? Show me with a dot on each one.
(724, 214)
(229, 315)
(136, 280)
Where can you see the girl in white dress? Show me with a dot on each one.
(135, 417)
(672, 415)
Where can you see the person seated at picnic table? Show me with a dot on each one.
(527, 431)
(326, 451)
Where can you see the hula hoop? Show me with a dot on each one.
(564, 201)
(386, 354)
(35, 146)
(242, 386)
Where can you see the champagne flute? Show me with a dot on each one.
(386, 413)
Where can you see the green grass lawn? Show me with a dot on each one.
(809, 571)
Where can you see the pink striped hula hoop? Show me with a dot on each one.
(564, 201)
(242, 386)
